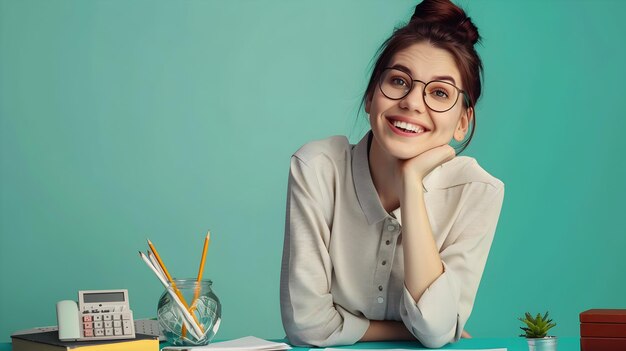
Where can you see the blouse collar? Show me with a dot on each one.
(364, 185)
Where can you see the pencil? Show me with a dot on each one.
(201, 269)
(155, 263)
(188, 316)
(203, 259)
(200, 272)
(172, 283)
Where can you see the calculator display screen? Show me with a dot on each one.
(104, 297)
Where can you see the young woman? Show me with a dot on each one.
(387, 239)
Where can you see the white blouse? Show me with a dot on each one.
(343, 257)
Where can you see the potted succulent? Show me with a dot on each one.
(536, 332)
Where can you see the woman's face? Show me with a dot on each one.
(423, 128)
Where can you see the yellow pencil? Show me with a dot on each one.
(207, 239)
(200, 272)
(169, 278)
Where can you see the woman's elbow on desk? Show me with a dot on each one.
(308, 337)
(332, 327)
(435, 341)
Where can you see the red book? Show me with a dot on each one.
(603, 330)
(602, 344)
(603, 316)
(608, 330)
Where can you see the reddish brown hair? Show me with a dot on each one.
(445, 26)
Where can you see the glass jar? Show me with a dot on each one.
(203, 304)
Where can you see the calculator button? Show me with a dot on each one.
(117, 324)
(88, 332)
(107, 317)
(99, 332)
(126, 315)
(97, 317)
(88, 325)
(127, 330)
(117, 316)
(87, 319)
(108, 331)
(97, 325)
(108, 324)
(117, 331)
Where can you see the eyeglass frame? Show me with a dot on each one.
(459, 90)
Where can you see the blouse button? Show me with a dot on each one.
(384, 263)
(380, 288)
(388, 242)
(390, 228)
(380, 299)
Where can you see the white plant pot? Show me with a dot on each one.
(544, 344)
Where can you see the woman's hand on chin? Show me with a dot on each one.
(419, 166)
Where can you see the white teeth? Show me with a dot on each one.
(408, 126)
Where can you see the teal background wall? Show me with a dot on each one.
(127, 120)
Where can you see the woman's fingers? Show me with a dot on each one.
(424, 163)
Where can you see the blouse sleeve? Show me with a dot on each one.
(443, 309)
(308, 312)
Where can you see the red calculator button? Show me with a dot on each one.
(88, 332)
(87, 319)
(88, 325)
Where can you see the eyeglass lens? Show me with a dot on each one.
(438, 96)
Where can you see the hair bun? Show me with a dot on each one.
(444, 13)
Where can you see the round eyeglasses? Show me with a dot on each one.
(438, 95)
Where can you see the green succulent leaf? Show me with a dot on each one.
(537, 326)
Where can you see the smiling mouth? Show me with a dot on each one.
(406, 127)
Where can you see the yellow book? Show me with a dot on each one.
(49, 341)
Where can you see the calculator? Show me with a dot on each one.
(99, 315)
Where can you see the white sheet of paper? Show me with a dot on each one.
(246, 343)
(331, 349)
